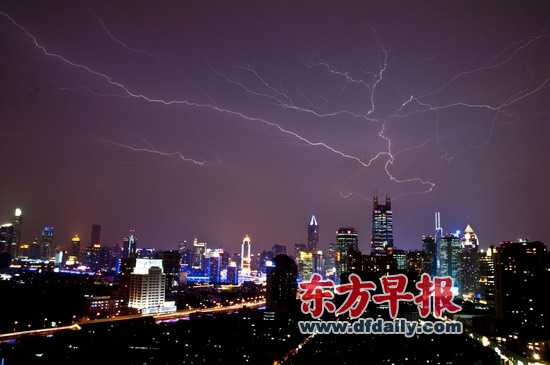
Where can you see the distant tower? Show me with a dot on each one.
(346, 242)
(437, 239)
(382, 227)
(449, 251)
(16, 233)
(74, 250)
(47, 243)
(96, 234)
(245, 256)
(129, 245)
(199, 249)
(312, 235)
(469, 240)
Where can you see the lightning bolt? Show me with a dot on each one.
(153, 150)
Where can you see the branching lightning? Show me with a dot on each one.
(262, 89)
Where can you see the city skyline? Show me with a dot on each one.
(217, 120)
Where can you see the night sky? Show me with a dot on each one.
(214, 120)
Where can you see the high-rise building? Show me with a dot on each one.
(319, 264)
(35, 251)
(245, 256)
(469, 239)
(330, 258)
(6, 237)
(429, 247)
(47, 244)
(129, 245)
(199, 248)
(147, 285)
(437, 238)
(486, 279)
(16, 242)
(74, 249)
(346, 241)
(305, 265)
(96, 235)
(400, 257)
(299, 247)
(214, 266)
(278, 249)
(382, 227)
(449, 248)
(171, 268)
(522, 276)
(91, 259)
(312, 235)
(232, 273)
(281, 283)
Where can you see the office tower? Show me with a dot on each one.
(346, 241)
(182, 248)
(299, 247)
(382, 227)
(199, 248)
(400, 257)
(232, 273)
(449, 248)
(522, 278)
(429, 247)
(74, 249)
(91, 259)
(278, 249)
(264, 256)
(125, 268)
(330, 258)
(420, 262)
(96, 234)
(486, 279)
(312, 235)
(305, 266)
(129, 245)
(245, 256)
(214, 266)
(468, 265)
(437, 239)
(171, 268)
(319, 264)
(281, 283)
(16, 241)
(147, 285)
(35, 250)
(6, 237)
(469, 240)
(47, 244)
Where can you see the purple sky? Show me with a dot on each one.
(220, 119)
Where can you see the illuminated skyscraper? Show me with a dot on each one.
(16, 233)
(312, 235)
(214, 265)
(429, 247)
(245, 256)
(74, 249)
(47, 244)
(147, 283)
(382, 227)
(469, 239)
(129, 245)
(199, 248)
(449, 249)
(305, 265)
(346, 239)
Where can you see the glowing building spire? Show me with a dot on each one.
(245, 256)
